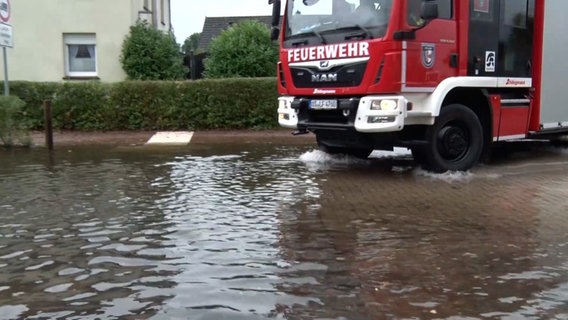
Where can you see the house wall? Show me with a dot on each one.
(151, 11)
(39, 50)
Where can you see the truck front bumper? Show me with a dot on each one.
(367, 114)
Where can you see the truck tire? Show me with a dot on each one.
(455, 141)
(362, 153)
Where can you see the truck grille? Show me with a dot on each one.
(349, 75)
(343, 115)
(327, 116)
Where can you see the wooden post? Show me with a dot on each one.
(192, 65)
(48, 124)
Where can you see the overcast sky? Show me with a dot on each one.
(188, 15)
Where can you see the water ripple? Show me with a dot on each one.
(256, 232)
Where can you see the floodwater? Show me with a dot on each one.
(279, 231)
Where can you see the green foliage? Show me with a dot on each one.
(150, 54)
(82, 106)
(12, 126)
(144, 105)
(236, 103)
(33, 96)
(240, 103)
(191, 43)
(243, 50)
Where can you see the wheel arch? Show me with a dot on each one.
(430, 102)
(478, 101)
(472, 93)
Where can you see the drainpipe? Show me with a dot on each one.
(155, 13)
(170, 15)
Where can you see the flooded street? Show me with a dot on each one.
(261, 231)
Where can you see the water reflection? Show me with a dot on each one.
(225, 232)
(417, 245)
(72, 236)
(255, 232)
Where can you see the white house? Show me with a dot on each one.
(74, 40)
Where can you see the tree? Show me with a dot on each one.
(191, 43)
(150, 54)
(243, 50)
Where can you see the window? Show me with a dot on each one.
(516, 13)
(530, 14)
(516, 38)
(80, 55)
(445, 11)
(324, 16)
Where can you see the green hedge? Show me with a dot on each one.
(12, 129)
(238, 103)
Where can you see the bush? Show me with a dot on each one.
(236, 103)
(82, 106)
(33, 94)
(146, 105)
(245, 104)
(243, 50)
(150, 54)
(12, 126)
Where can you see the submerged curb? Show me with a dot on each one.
(170, 138)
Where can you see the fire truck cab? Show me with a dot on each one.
(445, 78)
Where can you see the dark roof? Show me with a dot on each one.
(213, 26)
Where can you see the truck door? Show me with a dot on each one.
(500, 38)
(483, 37)
(500, 46)
(431, 55)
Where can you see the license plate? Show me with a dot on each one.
(323, 104)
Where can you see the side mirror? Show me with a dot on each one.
(429, 10)
(275, 30)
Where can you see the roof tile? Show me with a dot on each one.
(213, 26)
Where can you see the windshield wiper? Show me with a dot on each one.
(311, 32)
(366, 33)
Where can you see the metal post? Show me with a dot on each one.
(192, 65)
(48, 123)
(6, 83)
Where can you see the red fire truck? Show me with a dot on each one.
(447, 79)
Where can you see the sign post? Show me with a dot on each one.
(6, 38)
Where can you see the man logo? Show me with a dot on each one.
(324, 77)
(324, 65)
(428, 55)
(310, 2)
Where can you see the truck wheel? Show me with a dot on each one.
(455, 141)
(362, 153)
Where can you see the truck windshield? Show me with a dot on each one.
(318, 17)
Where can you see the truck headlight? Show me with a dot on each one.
(283, 104)
(384, 105)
